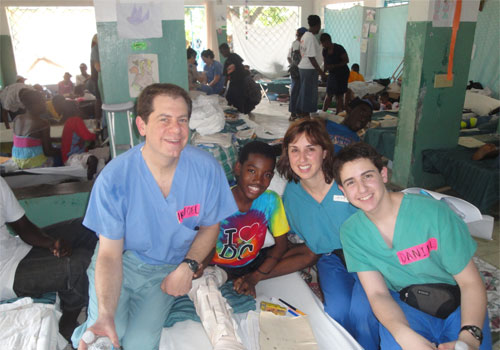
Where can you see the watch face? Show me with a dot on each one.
(193, 265)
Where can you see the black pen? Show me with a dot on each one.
(292, 307)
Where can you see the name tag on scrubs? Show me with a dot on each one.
(338, 198)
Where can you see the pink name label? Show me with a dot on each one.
(418, 252)
(187, 212)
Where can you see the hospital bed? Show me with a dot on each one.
(190, 335)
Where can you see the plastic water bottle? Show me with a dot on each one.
(460, 345)
(97, 343)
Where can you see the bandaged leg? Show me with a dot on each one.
(214, 310)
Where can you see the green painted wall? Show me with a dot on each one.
(46, 211)
(8, 70)
(429, 117)
(114, 52)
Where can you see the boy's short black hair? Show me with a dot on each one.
(352, 152)
(256, 147)
(313, 20)
(325, 37)
(355, 67)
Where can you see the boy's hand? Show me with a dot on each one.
(414, 341)
(245, 285)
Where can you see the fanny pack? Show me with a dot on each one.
(436, 299)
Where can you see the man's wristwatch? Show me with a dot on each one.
(475, 331)
(193, 264)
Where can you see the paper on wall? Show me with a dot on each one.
(373, 28)
(285, 333)
(139, 20)
(366, 30)
(142, 71)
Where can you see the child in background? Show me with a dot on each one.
(385, 104)
(398, 242)
(354, 74)
(239, 247)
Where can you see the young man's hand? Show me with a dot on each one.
(104, 327)
(60, 248)
(414, 341)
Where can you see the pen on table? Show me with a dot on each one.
(292, 307)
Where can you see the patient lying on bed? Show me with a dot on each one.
(239, 246)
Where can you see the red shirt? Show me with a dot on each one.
(74, 135)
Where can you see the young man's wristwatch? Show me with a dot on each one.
(475, 331)
(192, 264)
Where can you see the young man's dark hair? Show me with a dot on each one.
(325, 38)
(191, 53)
(352, 152)
(208, 53)
(144, 104)
(256, 147)
(224, 46)
(313, 20)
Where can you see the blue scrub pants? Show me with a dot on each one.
(431, 328)
(346, 301)
(142, 307)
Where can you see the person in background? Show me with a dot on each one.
(239, 247)
(310, 68)
(354, 74)
(154, 228)
(213, 72)
(242, 92)
(32, 145)
(294, 58)
(37, 261)
(385, 103)
(316, 209)
(336, 60)
(413, 256)
(194, 77)
(65, 86)
(358, 116)
(81, 79)
(94, 84)
(10, 102)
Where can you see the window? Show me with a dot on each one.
(49, 41)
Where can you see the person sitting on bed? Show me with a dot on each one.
(31, 137)
(316, 209)
(413, 256)
(74, 137)
(358, 116)
(354, 74)
(239, 247)
(385, 103)
(156, 209)
(38, 261)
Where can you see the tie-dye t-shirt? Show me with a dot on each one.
(242, 234)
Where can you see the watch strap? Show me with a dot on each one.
(475, 331)
(193, 264)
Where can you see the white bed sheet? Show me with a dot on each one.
(30, 326)
(190, 335)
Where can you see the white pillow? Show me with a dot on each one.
(480, 104)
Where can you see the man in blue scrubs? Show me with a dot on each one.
(156, 210)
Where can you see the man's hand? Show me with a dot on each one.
(104, 327)
(451, 346)
(178, 282)
(60, 248)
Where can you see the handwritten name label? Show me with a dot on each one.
(418, 252)
(339, 198)
(187, 212)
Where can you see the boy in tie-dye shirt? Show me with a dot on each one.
(239, 246)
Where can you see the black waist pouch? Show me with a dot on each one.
(435, 299)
